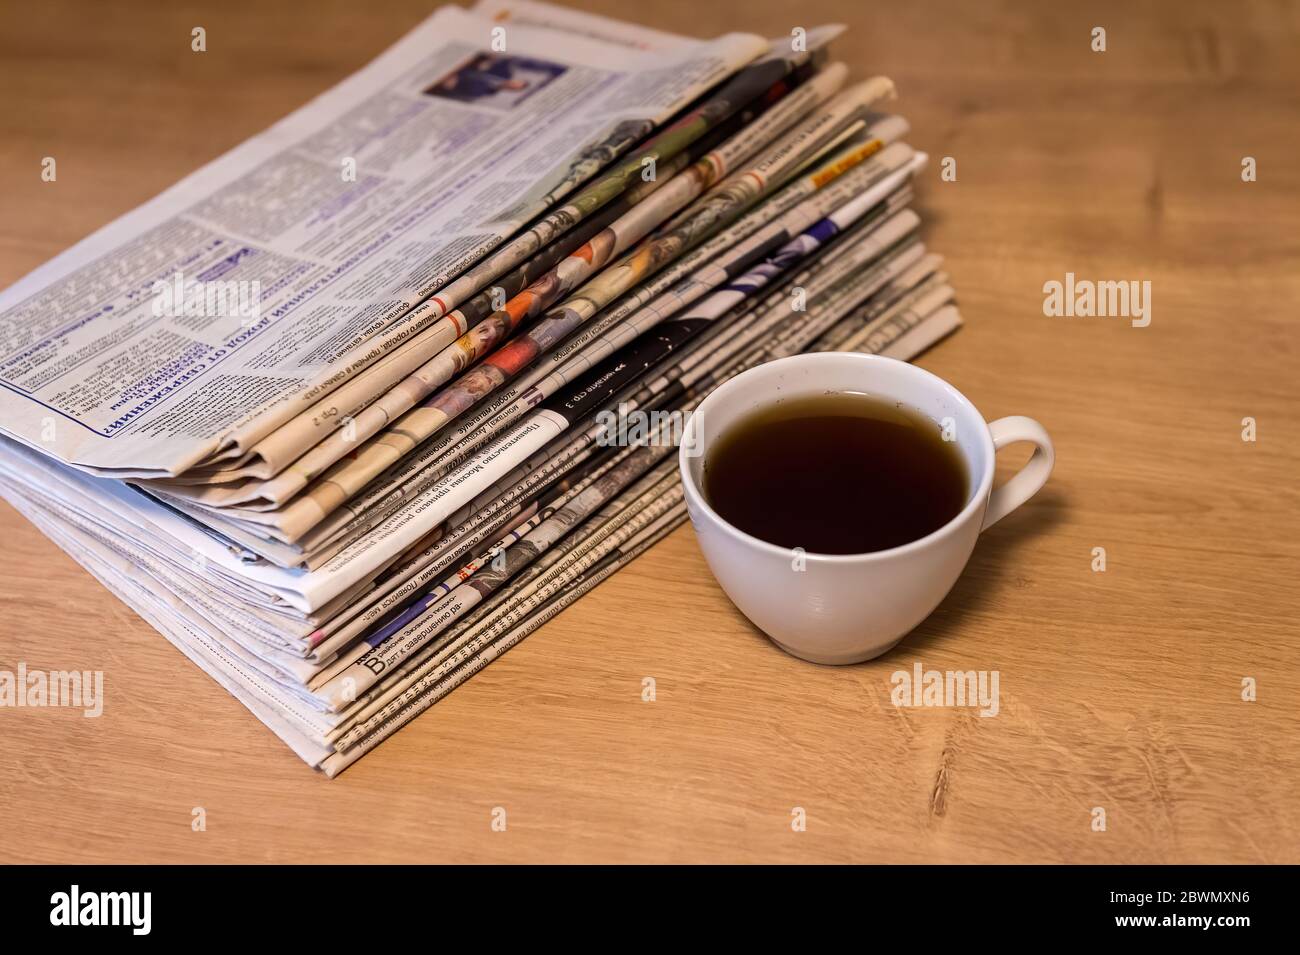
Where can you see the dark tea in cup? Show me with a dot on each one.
(838, 473)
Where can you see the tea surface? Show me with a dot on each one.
(836, 474)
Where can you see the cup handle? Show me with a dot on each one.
(1026, 483)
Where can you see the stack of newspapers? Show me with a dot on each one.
(358, 406)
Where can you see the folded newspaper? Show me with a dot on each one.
(345, 413)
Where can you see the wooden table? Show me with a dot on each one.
(1119, 689)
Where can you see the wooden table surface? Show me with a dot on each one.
(1119, 689)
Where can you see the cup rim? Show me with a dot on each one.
(978, 498)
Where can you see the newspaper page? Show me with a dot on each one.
(242, 294)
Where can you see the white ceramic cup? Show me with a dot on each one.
(848, 608)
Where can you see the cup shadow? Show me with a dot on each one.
(981, 582)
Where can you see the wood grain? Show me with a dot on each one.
(1119, 690)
